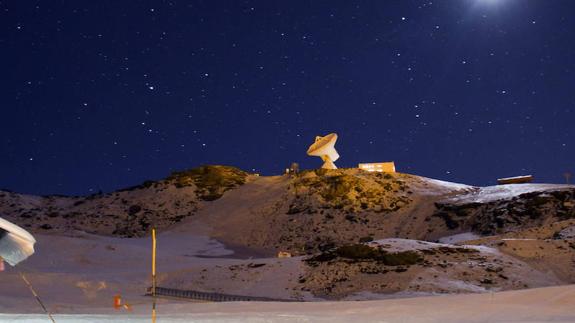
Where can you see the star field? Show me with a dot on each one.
(104, 94)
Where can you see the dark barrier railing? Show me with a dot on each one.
(210, 297)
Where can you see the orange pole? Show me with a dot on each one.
(154, 262)
(154, 274)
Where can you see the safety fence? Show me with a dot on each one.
(210, 297)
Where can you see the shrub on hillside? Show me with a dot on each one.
(362, 252)
(210, 181)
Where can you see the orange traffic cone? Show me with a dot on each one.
(117, 302)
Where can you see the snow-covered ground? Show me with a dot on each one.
(81, 273)
(460, 237)
(78, 275)
(494, 193)
(551, 304)
(398, 245)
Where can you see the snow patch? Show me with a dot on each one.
(456, 238)
(502, 192)
(399, 245)
(458, 285)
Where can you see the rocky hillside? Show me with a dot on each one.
(359, 234)
(496, 210)
(398, 265)
(318, 210)
(128, 212)
(313, 211)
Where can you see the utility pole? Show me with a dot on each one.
(567, 176)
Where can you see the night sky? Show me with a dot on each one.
(100, 95)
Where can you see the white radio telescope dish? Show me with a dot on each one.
(16, 244)
(324, 147)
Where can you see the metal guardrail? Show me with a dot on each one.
(210, 297)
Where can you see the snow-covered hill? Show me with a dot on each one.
(128, 212)
(353, 235)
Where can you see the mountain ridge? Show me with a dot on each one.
(349, 232)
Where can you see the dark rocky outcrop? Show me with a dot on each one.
(522, 211)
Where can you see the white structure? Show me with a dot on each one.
(324, 147)
(515, 180)
(16, 244)
(388, 167)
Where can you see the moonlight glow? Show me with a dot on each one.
(489, 2)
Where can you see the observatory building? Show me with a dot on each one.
(515, 180)
(388, 167)
(323, 147)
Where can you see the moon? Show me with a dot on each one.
(488, 3)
